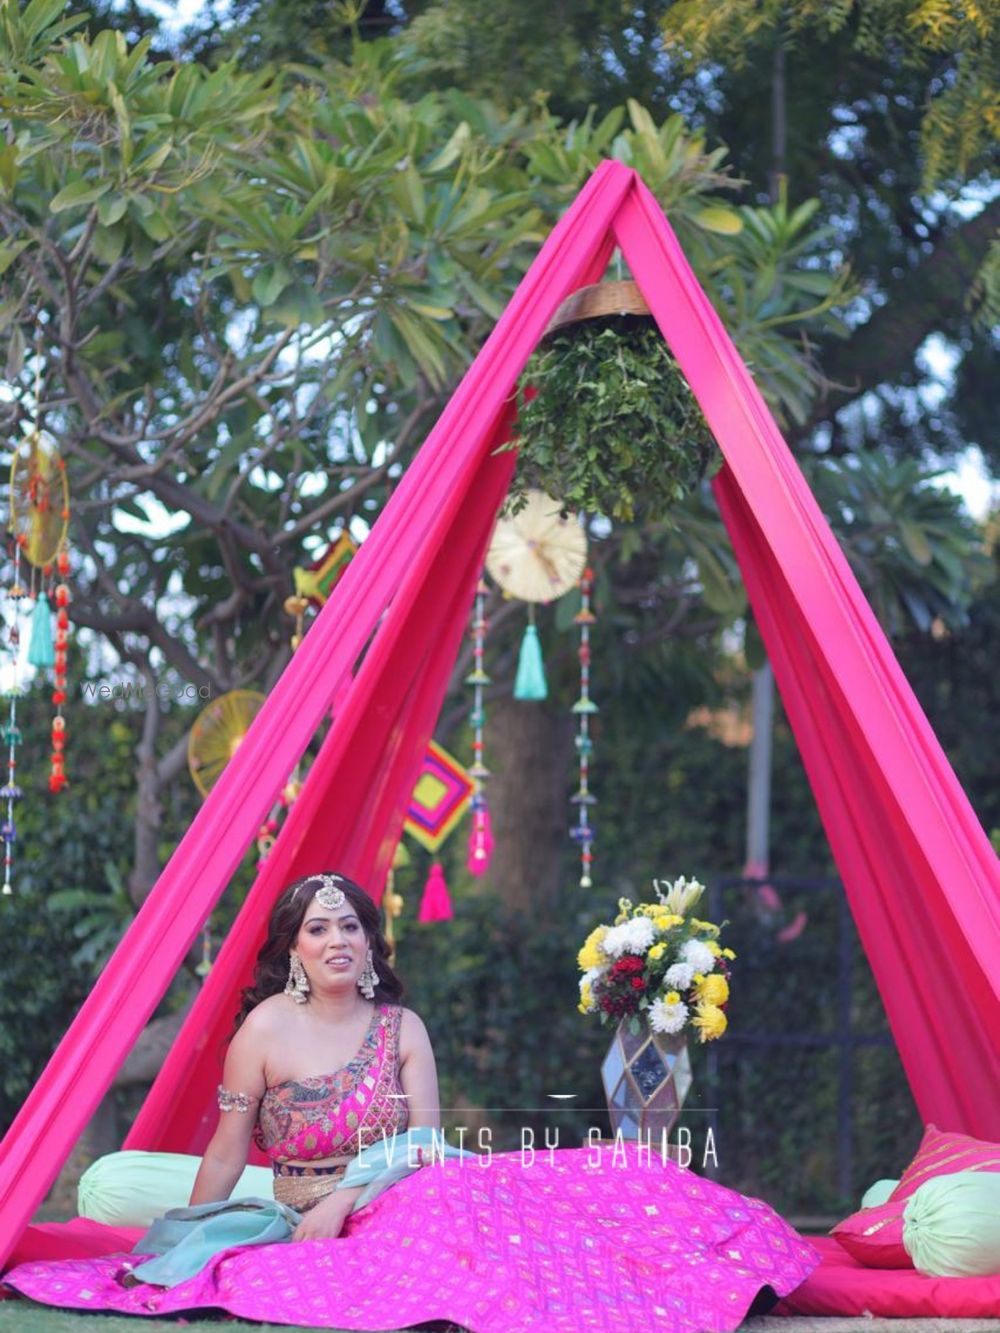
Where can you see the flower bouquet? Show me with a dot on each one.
(656, 972)
(658, 960)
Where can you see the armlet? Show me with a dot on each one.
(235, 1101)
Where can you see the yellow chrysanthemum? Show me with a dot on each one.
(710, 1021)
(712, 946)
(709, 927)
(714, 989)
(728, 953)
(590, 955)
(672, 997)
(586, 1005)
(657, 951)
(667, 920)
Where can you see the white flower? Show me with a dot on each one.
(699, 955)
(664, 1017)
(591, 975)
(681, 896)
(679, 976)
(633, 936)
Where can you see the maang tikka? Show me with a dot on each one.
(330, 895)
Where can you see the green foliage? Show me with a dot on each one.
(909, 541)
(957, 46)
(777, 296)
(612, 425)
(99, 917)
(41, 987)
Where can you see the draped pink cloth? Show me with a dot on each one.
(923, 882)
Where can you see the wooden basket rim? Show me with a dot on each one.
(600, 300)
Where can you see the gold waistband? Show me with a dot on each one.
(302, 1192)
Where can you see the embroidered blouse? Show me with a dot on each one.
(343, 1112)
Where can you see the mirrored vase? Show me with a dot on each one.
(646, 1078)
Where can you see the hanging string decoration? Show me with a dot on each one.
(536, 555)
(11, 792)
(481, 837)
(38, 524)
(582, 832)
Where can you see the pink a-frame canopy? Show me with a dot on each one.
(922, 880)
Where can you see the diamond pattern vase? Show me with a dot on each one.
(646, 1078)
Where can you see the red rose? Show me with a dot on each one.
(637, 983)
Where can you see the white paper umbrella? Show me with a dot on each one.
(537, 554)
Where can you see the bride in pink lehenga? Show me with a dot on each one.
(325, 1063)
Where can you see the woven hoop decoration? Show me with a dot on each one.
(599, 301)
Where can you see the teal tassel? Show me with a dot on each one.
(41, 652)
(530, 683)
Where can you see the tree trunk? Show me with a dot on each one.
(529, 751)
(146, 863)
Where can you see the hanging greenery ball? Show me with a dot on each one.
(613, 427)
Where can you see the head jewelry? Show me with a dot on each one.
(330, 895)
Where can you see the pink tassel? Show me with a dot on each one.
(480, 843)
(435, 904)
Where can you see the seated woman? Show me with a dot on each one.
(324, 1062)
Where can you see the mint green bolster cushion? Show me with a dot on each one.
(131, 1189)
(878, 1193)
(951, 1225)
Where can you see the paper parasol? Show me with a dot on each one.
(537, 554)
(216, 734)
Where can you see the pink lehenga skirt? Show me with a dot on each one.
(559, 1244)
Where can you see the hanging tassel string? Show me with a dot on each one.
(584, 708)
(479, 853)
(11, 792)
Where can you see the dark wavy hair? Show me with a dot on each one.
(287, 915)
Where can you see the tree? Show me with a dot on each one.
(251, 296)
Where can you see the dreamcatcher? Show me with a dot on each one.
(38, 529)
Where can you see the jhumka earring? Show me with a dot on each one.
(368, 979)
(297, 985)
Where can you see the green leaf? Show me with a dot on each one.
(914, 538)
(109, 243)
(77, 193)
(111, 209)
(719, 220)
(297, 304)
(269, 282)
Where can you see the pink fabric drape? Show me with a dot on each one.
(863, 737)
(921, 877)
(447, 480)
